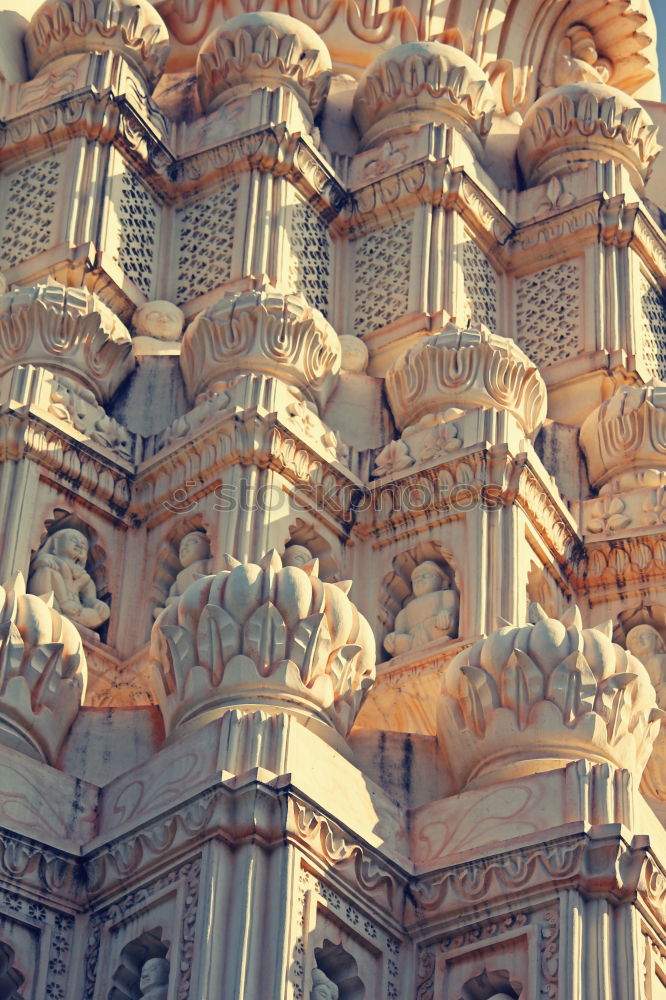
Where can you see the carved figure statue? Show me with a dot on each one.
(578, 60)
(431, 615)
(322, 987)
(354, 357)
(645, 643)
(154, 979)
(160, 319)
(59, 567)
(296, 555)
(195, 558)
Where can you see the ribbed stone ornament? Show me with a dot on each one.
(467, 369)
(261, 333)
(419, 83)
(43, 673)
(263, 50)
(528, 697)
(624, 439)
(132, 28)
(67, 329)
(262, 635)
(578, 124)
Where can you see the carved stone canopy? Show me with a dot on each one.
(263, 50)
(527, 697)
(466, 369)
(43, 673)
(261, 332)
(67, 329)
(262, 635)
(419, 83)
(624, 439)
(133, 28)
(575, 125)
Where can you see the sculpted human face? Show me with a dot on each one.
(162, 320)
(426, 579)
(643, 641)
(71, 544)
(154, 972)
(193, 547)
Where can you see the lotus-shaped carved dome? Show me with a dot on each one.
(261, 332)
(132, 28)
(262, 635)
(67, 329)
(528, 697)
(467, 369)
(43, 673)
(624, 439)
(263, 50)
(578, 124)
(419, 83)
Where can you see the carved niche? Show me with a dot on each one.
(11, 979)
(336, 975)
(304, 540)
(67, 566)
(143, 972)
(184, 557)
(419, 600)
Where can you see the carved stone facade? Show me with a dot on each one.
(332, 501)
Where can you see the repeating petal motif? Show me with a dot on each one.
(263, 634)
(43, 673)
(549, 690)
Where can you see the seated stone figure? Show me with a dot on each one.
(195, 559)
(431, 615)
(154, 979)
(322, 987)
(645, 642)
(59, 567)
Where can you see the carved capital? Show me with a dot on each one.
(578, 124)
(263, 50)
(262, 635)
(419, 83)
(133, 28)
(261, 332)
(67, 329)
(528, 697)
(624, 439)
(467, 369)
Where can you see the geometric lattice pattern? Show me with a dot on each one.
(480, 283)
(310, 257)
(652, 345)
(205, 242)
(31, 200)
(381, 276)
(548, 313)
(139, 217)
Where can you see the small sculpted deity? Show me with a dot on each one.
(160, 319)
(645, 643)
(154, 979)
(322, 987)
(578, 60)
(195, 559)
(431, 615)
(296, 555)
(59, 567)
